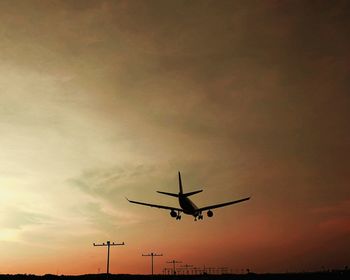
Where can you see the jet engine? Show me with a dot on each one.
(210, 213)
(173, 214)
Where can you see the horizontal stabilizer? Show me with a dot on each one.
(171, 194)
(155, 205)
(192, 193)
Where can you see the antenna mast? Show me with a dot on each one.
(186, 267)
(152, 255)
(108, 244)
(174, 262)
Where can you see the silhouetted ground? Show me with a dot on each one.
(339, 274)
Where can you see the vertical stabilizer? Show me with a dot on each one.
(180, 184)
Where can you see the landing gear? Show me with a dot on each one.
(199, 217)
(178, 217)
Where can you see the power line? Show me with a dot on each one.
(108, 244)
(186, 267)
(152, 255)
(174, 262)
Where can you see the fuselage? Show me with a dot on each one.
(187, 205)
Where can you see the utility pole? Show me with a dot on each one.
(152, 255)
(223, 270)
(174, 262)
(186, 267)
(108, 244)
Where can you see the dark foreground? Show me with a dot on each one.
(339, 274)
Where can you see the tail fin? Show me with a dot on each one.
(180, 184)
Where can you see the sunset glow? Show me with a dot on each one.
(102, 100)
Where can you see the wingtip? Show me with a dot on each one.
(127, 199)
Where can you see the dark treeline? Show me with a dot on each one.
(332, 275)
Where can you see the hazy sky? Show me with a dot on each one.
(102, 100)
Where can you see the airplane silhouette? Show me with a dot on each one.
(187, 206)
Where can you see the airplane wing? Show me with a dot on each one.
(155, 205)
(222, 204)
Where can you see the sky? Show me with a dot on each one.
(102, 100)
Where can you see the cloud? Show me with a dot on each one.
(106, 99)
(17, 219)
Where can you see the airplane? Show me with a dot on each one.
(186, 205)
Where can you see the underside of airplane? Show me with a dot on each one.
(186, 205)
